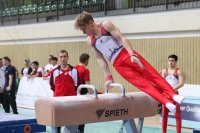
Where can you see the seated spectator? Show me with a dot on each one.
(54, 65)
(26, 70)
(37, 71)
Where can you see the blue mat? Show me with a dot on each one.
(11, 123)
(196, 130)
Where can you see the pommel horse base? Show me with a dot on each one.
(67, 111)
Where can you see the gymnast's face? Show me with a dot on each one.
(63, 58)
(88, 28)
(172, 62)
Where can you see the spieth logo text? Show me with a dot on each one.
(109, 113)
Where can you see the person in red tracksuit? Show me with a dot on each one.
(174, 76)
(64, 78)
(106, 40)
(83, 72)
(84, 78)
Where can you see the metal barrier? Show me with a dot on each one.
(22, 13)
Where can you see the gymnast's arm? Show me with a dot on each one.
(163, 73)
(32, 73)
(33, 76)
(51, 82)
(181, 80)
(100, 59)
(115, 32)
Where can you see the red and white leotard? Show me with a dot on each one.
(146, 79)
(107, 45)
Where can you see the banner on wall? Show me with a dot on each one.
(189, 111)
(30, 90)
(190, 90)
(190, 108)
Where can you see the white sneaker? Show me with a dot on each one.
(179, 99)
(171, 107)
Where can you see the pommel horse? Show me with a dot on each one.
(68, 111)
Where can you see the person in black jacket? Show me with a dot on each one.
(26, 70)
(9, 86)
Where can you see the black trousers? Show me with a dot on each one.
(2, 100)
(9, 99)
(81, 127)
(59, 128)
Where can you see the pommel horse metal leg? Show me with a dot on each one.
(140, 125)
(130, 126)
(68, 129)
(54, 129)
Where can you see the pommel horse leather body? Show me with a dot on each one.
(82, 109)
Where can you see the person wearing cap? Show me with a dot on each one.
(26, 70)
